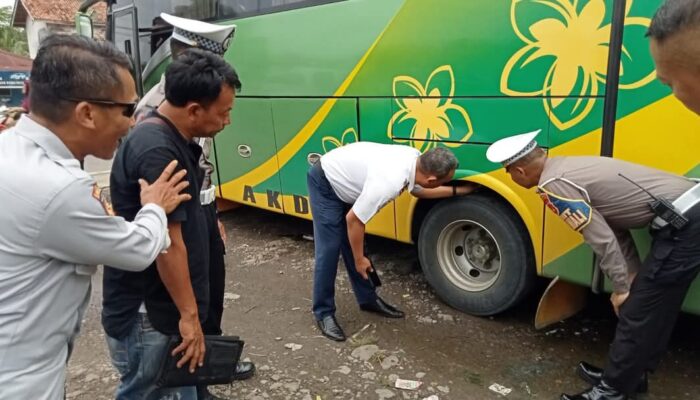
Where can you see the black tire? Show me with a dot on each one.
(456, 246)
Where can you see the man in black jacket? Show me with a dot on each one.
(141, 310)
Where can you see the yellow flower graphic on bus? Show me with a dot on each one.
(569, 51)
(330, 143)
(426, 113)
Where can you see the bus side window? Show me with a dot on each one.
(247, 8)
(235, 8)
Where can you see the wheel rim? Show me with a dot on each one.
(468, 255)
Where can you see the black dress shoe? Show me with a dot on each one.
(592, 374)
(589, 372)
(382, 308)
(601, 391)
(330, 328)
(244, 370)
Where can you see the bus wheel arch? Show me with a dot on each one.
(475, 252)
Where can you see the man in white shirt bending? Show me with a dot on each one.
(347, 187)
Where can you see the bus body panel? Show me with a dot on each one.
(453, 73)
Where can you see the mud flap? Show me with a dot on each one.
(560, 301)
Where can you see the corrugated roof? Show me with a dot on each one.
(14, 62)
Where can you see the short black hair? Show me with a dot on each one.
(72, 66)
(674, 16)
(197, 76)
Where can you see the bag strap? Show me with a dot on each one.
(154, 121)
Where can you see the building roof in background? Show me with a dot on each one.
(14, 62)
(54, 11)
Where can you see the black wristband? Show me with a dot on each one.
(454, 190)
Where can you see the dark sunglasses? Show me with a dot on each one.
(129, 108)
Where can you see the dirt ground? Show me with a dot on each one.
(455, 356)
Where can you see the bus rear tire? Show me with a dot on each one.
(476, 254)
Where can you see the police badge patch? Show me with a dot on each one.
(576, 213)
(100, 196)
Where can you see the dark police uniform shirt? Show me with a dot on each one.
(148, 149)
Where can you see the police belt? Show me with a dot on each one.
(207, 196)
(683, 203)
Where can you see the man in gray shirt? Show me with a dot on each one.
(55, 226)
(589, 194)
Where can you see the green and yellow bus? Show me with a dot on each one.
(318, 74)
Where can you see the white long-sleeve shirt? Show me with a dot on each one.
(54, 231)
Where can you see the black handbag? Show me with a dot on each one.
(220, 360)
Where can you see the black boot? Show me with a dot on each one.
(331, 329)
(382, 308)
(601, 391)
(592, 374)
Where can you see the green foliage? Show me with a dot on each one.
(12, 39)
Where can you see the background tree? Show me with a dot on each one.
(12, 39)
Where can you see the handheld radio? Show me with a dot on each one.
(662, 208)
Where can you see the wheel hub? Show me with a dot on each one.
(469, 255)
(480, 249)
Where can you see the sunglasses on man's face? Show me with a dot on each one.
(129, 108)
